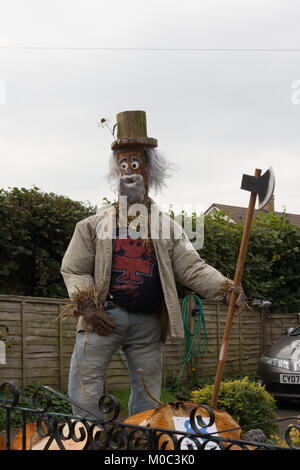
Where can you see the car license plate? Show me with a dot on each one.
(289, 379)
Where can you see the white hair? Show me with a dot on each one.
(158, 169)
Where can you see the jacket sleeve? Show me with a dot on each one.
(78, 262)
(192, 271)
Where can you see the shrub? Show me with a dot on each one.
(35, 230)
(58, 405)
(246, 401)
(272, 265)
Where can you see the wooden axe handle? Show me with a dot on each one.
(234, 295)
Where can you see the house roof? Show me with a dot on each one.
(238, 214)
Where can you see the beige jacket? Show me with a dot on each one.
(88, 260)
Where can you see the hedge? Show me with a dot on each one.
(36, 227)
(35, 230)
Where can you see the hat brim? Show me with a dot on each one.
(140, 141)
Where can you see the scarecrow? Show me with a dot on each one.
(121, 279)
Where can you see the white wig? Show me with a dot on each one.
(158, 169)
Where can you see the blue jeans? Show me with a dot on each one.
(139, 334)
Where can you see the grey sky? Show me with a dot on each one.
(216, 114)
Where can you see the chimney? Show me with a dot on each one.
(270, 206)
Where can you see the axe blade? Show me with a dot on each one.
(263, 186)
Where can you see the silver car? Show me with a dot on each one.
(279, 366)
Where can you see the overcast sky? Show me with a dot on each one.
(216, 113)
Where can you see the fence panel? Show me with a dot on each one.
(42, 350)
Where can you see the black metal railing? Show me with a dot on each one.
(110, 434)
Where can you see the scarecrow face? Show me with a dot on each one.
(132, 162)
(133, 174)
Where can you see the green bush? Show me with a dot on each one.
(245, 401)
(58, 405)
(35, 230)
(272, 265)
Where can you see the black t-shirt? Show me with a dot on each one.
(135, 283)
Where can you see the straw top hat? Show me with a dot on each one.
(132, 130)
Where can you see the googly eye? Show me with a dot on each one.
(124, 166)
(135, 165)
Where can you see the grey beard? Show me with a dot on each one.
(135, 191)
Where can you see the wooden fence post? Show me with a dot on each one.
(189, 306)
(60, 350)
(240, 342)
(23, 329)
(263, 332)
(218, 329)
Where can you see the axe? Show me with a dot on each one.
(263, 187)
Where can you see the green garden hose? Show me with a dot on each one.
(195, 345)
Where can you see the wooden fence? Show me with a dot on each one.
(42, 350)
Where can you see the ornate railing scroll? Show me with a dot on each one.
(110, 434)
